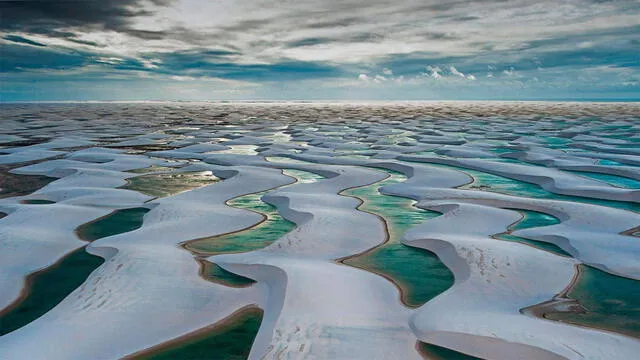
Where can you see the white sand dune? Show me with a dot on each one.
(145, 274)
(51, 230)
(549, 179)
(346, 312)
(481, 315)
(149, 290)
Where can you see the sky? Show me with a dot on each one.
(319, 50)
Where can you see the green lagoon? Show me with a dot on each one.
(417, 272)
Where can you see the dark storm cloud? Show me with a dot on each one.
(46, 16)
(147, 35)
(84, 42)
(21, 40)
(38, 15)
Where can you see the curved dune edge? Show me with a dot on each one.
(568, 307)
(386, 240)
(402, 287)
(302, 320)
(499, 278)
(83, 192)
(146, 273)
(219, 325)
(596, 235)
(186, 244)
(567, 161)
(616, 221)
(46, 288)
(26, 290)
(549, 179)
(297, 263)
(201, 257)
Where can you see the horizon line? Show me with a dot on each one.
(329, 101)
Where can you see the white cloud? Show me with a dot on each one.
(150, 63)
(380, 78)
(355, 34)
(455, 71)
(109, 60)
(182, 78)
(260, 32)
(434, 71)
(585, 44)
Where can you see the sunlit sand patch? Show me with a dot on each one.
(152, 168)
(229, 339)
(303, 177)
(284, 159)
(417, 272)
(238, 149)
(280, 137)
(166, 184)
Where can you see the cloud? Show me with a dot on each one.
(109, 60)
(455, 72)
(21, 40)
(150, 63)
(379, 78)
(434, 71)
(389, 42)
(43, 16)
